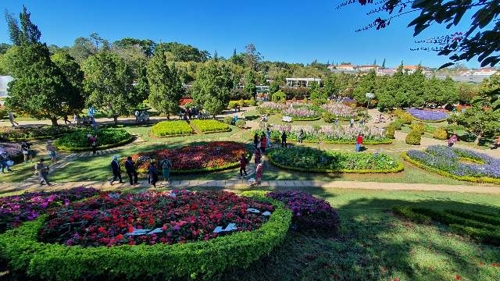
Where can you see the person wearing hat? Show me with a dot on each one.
(42, 171)
(115, 167)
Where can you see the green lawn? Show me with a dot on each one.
(373, 244)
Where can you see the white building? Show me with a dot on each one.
(301, 82)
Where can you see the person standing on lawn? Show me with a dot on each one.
(359, 142)
(27, 152)
(300, 136)
(115, 168)
(166, 165)
(131, 170)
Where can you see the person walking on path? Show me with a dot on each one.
(93, 142)
(268, 137)
(27, 152)
(165, 165)
(452, 140)
(131, 171)
(115, 168)
(263, 143)
(42, 171)
(351, 123)
(359, 142)
(11, 119)
(259, 170)
(51, 151)
(243, 165)
(256, 140)
(258, 155)
(283, 139)
(153, 174)
(300, 137)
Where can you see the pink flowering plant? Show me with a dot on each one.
(339, 110)
(14, 210)
(149, 218)
(308, 212)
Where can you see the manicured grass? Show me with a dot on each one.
(373, 244)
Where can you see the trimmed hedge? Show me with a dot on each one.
(200, 260)
(408, 213)
(413, 137)
(171, 129)
(106, 138)
(32, 133)
(209, 126)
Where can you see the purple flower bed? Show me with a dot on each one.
(13, 149)
(308, 211)
(427, 115)
(17, 209)
(447, 159)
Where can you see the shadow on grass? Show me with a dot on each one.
(375, 245)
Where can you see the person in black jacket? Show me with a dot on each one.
(115, 167)
(131, 170)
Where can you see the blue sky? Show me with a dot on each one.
(290, 31)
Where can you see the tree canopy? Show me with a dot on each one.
(479, 41)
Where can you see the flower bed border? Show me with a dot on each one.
(99, 147)
(370, 142)
(193, 260)
(429, 121)
(407, 158)
(397, 169)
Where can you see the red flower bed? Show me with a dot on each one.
(17, 209)
(176, 217)
(211, 156)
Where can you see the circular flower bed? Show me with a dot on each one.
(119, 222)
(106, 138)
(313, 160)
(28, 206)
(428, 115)
(461, 164)
(196, 158)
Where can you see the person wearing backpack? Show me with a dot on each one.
(243, 165)
(165, 165)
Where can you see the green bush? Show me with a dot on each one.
(171, 128)
(419, 127)
(3, 112)
(397, 124)
(390, 131)
(241, 124)
(440, 134)
(210, 126)
(228, 120)
(279, 96)
(328, 117)
(413, 137)
(406, 118)
(199, 260)
(232, 104)
(106, 138)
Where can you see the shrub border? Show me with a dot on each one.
(407, 158)
(196, 260)
(99, 147)
(397, 169)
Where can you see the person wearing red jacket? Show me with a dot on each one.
(359, 142)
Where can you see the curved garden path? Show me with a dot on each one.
(32, 183)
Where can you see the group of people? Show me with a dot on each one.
(153, 174)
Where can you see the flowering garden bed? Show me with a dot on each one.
(17, 209)
(461, 164)
(331, 134)
(210, 126)
(212, 156)
(180, 241)
(426, 115)
(313, 160)
(106, 138)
